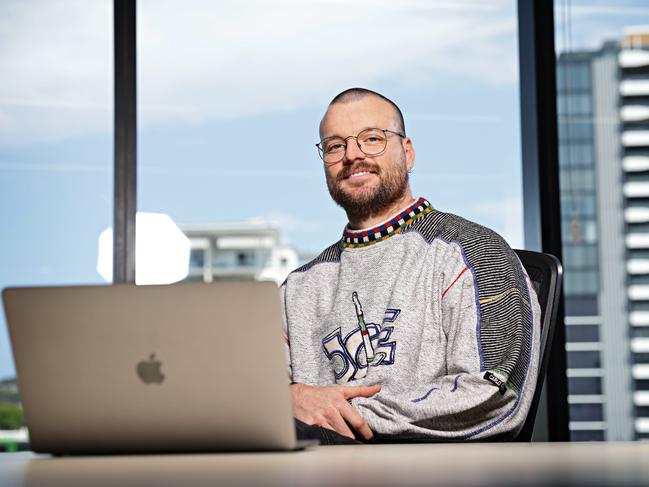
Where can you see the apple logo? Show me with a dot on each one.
(149, 370)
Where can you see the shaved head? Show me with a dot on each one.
(356, 94)
(365, 185)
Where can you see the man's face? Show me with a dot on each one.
(366, 185)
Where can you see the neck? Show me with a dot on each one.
(357, 222)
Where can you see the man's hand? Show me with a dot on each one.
(328, 407)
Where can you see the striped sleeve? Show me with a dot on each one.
(491, 319)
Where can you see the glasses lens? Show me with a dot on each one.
(332, 149)
(372, 141)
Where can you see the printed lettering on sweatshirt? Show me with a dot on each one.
(366, 346)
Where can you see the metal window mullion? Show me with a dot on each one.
(541, 202)
(125, 172)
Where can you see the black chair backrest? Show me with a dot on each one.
(546, 273)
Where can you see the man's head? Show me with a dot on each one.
(366, 185)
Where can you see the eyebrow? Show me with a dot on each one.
(338, 135)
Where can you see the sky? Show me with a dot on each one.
(230, 94)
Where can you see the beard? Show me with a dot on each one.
(365, 203)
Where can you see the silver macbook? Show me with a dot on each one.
(124, 368)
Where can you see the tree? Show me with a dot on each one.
(11, 417)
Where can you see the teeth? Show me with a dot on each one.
(359, 174)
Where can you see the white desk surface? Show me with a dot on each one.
(497, 464)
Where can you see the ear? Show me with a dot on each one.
(410, 153)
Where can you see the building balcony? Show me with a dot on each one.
(586, 399)
(642, 425)
(633, 58)
(635, 163)
(586, 425)
(641, 398)
(639, 292)
(634, 87)
(584, 347)
(636, 189)
(637, 240)
(636, 215)
(640, 371)
(635, 138)
(640, 345)
(637, 266)
(583, 320)
(639, 318)
(634, 113)
(584, 372)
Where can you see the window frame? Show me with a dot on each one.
(539, 141)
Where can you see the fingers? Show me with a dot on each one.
(360, 391)
(328, 407)
(338, 424)
(354, 418)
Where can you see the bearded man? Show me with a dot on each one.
(417, 324)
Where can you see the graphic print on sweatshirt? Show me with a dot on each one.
(366, 346)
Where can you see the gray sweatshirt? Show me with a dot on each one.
(436, 309)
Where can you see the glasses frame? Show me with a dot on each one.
(320, 145)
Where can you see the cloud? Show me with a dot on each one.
(234, 59)
(54, 167)
(605, 10)
(147, 169)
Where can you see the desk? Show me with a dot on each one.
(511, 464)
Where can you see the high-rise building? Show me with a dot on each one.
(603, 107)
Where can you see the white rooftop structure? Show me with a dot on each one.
(239, 251)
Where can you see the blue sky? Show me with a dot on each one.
(230, 96)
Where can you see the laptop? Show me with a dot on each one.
(192, 367)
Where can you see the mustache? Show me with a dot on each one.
(362, 166)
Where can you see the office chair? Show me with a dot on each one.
(546, 273)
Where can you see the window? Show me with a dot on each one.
(582, 333)
(245, 259)
(585, 360)
(576, 154)
(586, 412)
(596, 161)
(585, 385)
(197, 258)
(231, 95)
(56, 144)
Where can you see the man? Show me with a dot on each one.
(417, 324)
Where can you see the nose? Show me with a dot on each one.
(352, 151)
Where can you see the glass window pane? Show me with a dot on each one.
(585, 385)
(231, 95)
(583, 360)
(600, 152)
(586, 412)
(582, 333)
(56, 147)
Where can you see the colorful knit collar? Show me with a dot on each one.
(371, 236)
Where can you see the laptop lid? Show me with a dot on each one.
(124, 368)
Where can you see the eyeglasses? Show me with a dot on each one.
(370, 141)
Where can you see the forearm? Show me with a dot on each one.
(461, 407)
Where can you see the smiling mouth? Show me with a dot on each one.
(358, 172)
(361, 173)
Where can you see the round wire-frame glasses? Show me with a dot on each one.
(371, 142)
